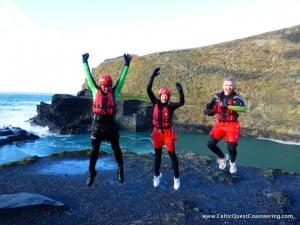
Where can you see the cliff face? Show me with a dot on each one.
(267, 69)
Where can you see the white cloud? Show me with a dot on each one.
(12, 18)
(34, 58)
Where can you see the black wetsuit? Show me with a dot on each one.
(104, 127)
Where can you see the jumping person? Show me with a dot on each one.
(226, 105)
(162, 133)
(104, 127)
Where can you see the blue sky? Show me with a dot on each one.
(42, 41)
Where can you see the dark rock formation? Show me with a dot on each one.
(9, 135)
(207, 195)
(294, 54)
(292, 36)
(66, 114)
(191, 128)
(13, 204)
(134, 115)
(69, 114)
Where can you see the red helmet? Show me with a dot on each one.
(105, 80)
(165, 91)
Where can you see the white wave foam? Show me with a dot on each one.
(18, 116)
(280, 141)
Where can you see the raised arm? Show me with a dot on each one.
(90, 80)
(175, 105)
(150, 84)
(120, 82)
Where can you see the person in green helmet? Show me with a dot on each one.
(104, 127)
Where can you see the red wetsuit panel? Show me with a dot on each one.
(163, 137)
(229, 130)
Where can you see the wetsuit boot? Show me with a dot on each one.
(91, 177)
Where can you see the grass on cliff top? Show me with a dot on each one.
(24, 161)
(134, 97)
(76, 153)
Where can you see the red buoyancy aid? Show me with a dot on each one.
(225, 114)
(162, 118)
(104, 104)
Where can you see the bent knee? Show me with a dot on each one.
(211, 142)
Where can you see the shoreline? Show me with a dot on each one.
(86, 153)
(291, 141)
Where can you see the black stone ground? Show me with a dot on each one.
(204, 191)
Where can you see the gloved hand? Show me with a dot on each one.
(127, 59)
(85, 57)
(155, 72)
(208, 112)
(178, 86)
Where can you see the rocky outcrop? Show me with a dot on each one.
(14, 204)
(69, 114)
(134, 115)
(207, 195)
(9, 135)
(191, 128)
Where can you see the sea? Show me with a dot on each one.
(17, 108)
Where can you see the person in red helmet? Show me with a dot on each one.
(226, 106)
(162, 132)
(104, 127)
